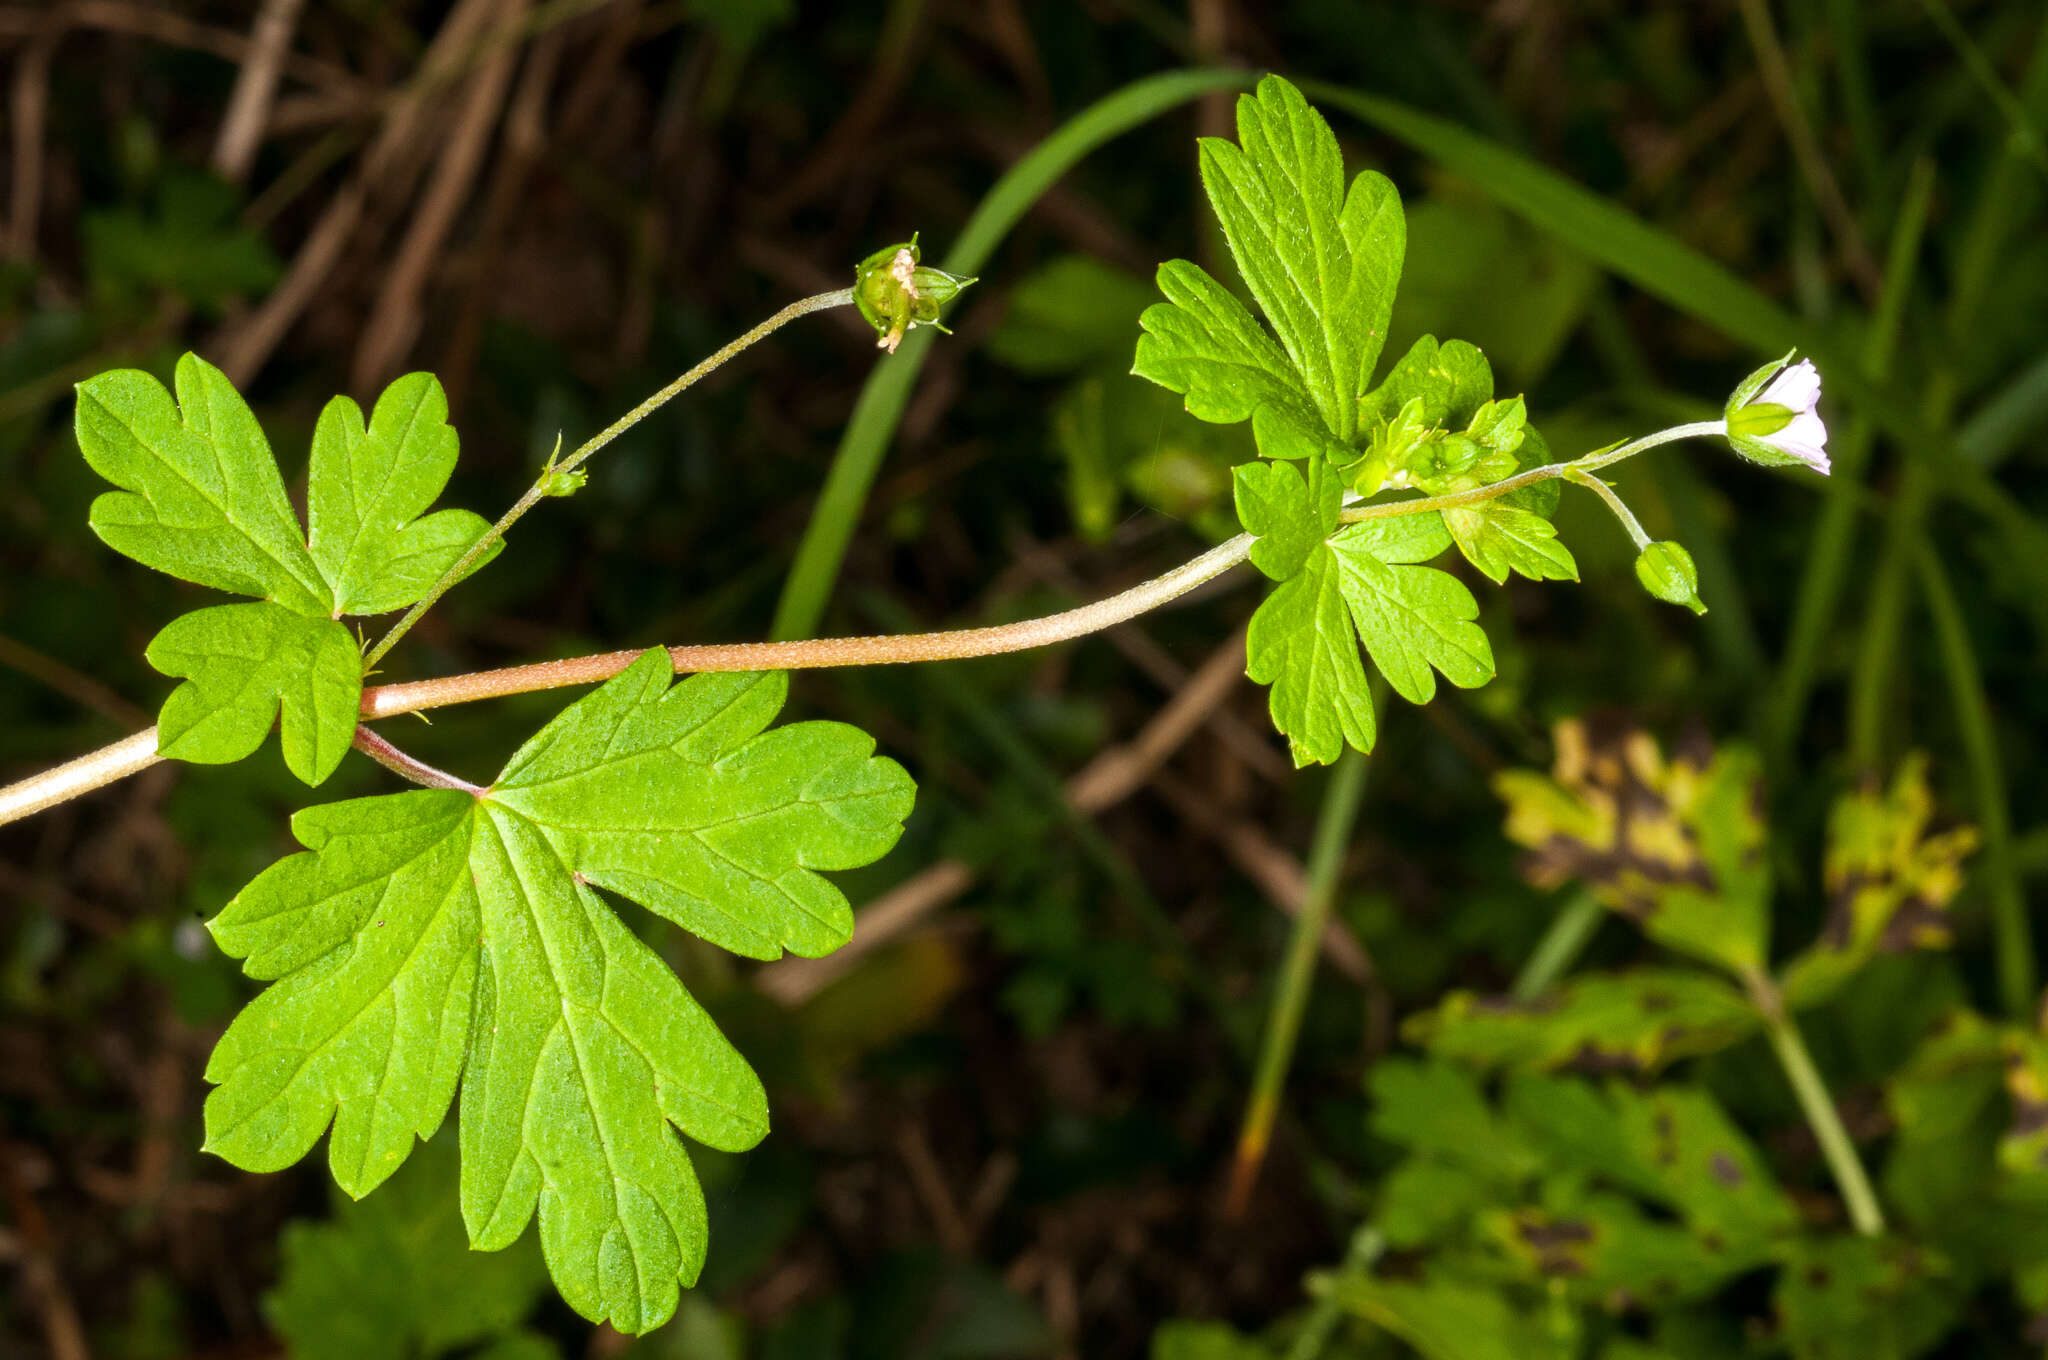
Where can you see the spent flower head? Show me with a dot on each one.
(897, 294)
(1771, 417)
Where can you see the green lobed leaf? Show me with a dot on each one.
(1599, 1246)
(1672, 1144)
(1437, 1108)
(1442, 1320)
(1452, 380)
(1889, 883)
(1846, 1297)
(1635, 1022)
(1411, 618)
(368, 488)
(1414, 620)
(242, 664)
(1300, 643)
(1498, 537)
(1323, 263)
(200, 496)
(1202, 343)
(1290, 514)
(393, 1277)
(435, 936)
(1674, 845)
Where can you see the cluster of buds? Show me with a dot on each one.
(897, 294)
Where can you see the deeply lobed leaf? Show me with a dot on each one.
(1323, 263)
(429, 938)
(201, 498)
(1362, 585)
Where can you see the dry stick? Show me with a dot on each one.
(27, 105)
(244, 350)
(394, 320)
(241, 131)
(72, 684)
(162, 25)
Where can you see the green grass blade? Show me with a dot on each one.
(887, 392)
(1334, 825)
(1820, 586)
(2011, 934)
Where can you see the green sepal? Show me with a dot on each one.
(243, 665)
(1753, 384)
(897, 294)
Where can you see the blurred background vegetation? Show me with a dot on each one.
(1006, 1119)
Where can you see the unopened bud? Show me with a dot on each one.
(1666, 571)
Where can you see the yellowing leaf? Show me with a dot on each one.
(1674, 845)
(1889, 882)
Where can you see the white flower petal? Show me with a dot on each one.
(1805, 438)
(1796, 388)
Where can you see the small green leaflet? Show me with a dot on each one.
(241, 663)
(432, 938)
(1497, 537)
(1322, 263)
(200, 494)
(1414, 620)
(201, 498)
(368, 488)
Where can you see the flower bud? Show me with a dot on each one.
(1666, 571)
(897, 294)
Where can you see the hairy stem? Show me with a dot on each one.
(130, 755)
(1819, 1108)
(138, 752)
(467, 562)
(1614, 503)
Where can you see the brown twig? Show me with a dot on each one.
(241, 130)
(28, 104)
(394, 320)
